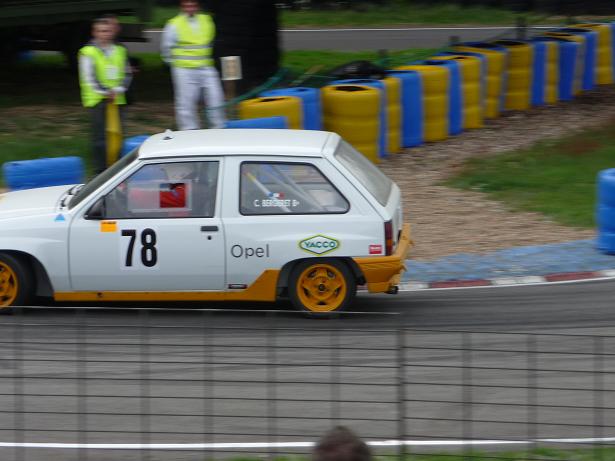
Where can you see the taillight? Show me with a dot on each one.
(388, 237)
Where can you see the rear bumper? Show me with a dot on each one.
(382, 273)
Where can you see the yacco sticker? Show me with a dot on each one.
(108, 226)
(319, 244)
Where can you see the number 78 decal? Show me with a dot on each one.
(138, 249)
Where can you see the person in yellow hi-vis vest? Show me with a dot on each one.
(187, 47)
(104, 76)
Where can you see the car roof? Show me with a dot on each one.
(294, 143)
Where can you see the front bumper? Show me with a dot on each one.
(382, 273)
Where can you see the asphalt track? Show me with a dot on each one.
(229, 349)
(362, 39)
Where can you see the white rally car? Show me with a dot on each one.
(237, 215)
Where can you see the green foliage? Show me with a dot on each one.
(555, 178)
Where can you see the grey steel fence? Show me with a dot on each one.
(186, 385)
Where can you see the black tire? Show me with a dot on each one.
(17, 288)
(315, 302)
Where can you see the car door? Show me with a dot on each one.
(159, 230)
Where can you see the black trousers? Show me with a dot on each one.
(98, 118)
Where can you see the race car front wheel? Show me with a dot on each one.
(322, 286)
(15, 283)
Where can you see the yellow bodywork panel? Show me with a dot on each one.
(384, 272)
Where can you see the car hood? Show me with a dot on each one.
(31, 202)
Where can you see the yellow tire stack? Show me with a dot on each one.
(519, 74)
(353, 112)
(604, 63)
(436, 84)
(496, 69)
(472, 88)
(393, 91)
(290, 107)
(552, 69)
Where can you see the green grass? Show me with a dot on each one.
(556, 178)
(397, 12)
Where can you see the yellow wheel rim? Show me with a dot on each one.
(8, 285)
(322, 288)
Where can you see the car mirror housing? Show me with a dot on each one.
(96, 211)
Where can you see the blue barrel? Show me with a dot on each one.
(455, 100)
(411, 106)
(277, 123)
(44, 172)
(591, 54)
(539, 72)
(383, 104)
(131, 144)
(312, 110)
(606, 211)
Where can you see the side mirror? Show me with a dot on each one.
(97, 211)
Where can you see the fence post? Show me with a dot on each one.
(401, 391)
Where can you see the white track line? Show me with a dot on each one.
(263, 445)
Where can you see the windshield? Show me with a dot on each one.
(102, 178)
(374, 180)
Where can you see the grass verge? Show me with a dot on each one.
(395, 13)
(556, 178)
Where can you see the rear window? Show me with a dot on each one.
(374, 180)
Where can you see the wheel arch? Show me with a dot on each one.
(287, 269)
(43, 285)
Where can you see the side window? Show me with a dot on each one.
(287, 188)
(166, 190)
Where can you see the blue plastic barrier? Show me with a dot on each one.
(455, 99)
(591, 54)
(277, 123)
(383, 104)
(312, 110)
(539, 72)
(132, 143)
(412, 106)
(606, 211)
(44, 172)
(569, 54)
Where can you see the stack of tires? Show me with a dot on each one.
(518, 74)
(248, 28)
(566, 57)
(546, 71)
(280, 106)
(455, 94)
(354, 112)
(589, 38)
(310, 100)
(604, 52)
(435, 100)
(606, 211)
(471, 88)
(394, 114)
(496, 58)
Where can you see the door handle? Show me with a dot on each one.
(209, 229)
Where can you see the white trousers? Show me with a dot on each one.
(192, 86)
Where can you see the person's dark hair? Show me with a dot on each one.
(109, 17)
(100, 22)
(341, 444)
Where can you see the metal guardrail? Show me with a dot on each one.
(206, 384)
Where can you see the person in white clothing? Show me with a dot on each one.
(187, 47)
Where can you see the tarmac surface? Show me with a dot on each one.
(190, 363)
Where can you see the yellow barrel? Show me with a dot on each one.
(290, 107)
(472, 89)
(578, 74)
(519, 74)
(496, 68)
(436, 83)
(604, 63)
(353, 112)
(552, 71)
(393, 91)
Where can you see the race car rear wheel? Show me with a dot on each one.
(15, 283)
(322, 287)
